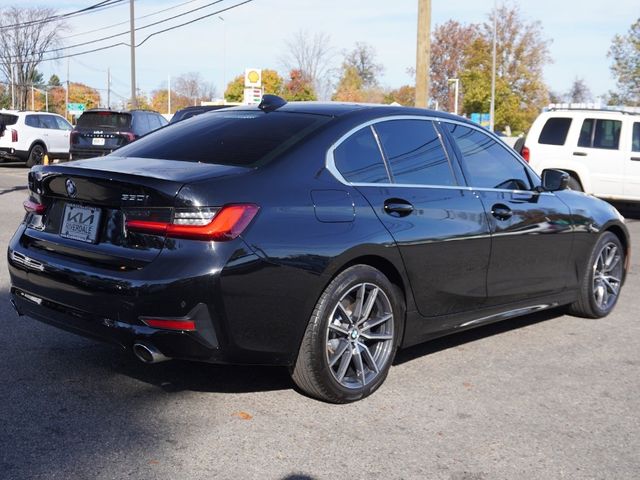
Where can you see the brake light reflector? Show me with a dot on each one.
(525, 154)
(14, 135)
(34, 207)
(170, 324)
(217, 224)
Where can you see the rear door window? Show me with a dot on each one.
(635, 140)
(414, 152)
(488, 164)
(600, 133)
(359, 159)
(555, 131)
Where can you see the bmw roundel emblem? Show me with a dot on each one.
(71, 188)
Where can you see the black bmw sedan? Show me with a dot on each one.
(322, 237)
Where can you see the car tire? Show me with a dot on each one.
(574, 184)
(36, 155)
(351, 338)
(602, 279)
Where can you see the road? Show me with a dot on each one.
(544, 396)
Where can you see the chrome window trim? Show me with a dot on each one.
(331, 166)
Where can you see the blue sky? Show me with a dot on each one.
(580, 31)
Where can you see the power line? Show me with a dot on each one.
(157, 12)
(89, 42)
(59, 57)
(90, 9)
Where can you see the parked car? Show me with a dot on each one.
(189, 112)
(26, 136)
(320, 237)
(600, 149)
(101, 131)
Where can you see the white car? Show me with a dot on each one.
(600, 149)
(27, 136)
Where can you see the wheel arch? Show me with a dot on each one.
(624, 240)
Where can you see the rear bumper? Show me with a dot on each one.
(76, 153)
(185, 281)
(11, 154)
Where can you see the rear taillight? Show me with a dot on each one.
(208, 223)
(525, 153)
(73, 137)
(14, 135)
(129, 136)
(33, 207)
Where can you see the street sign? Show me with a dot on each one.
(482, 119)
(75, 109)
(253, 77)
(252, 96)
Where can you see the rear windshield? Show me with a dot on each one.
(7, 119)
(238, 138)
(118, 121)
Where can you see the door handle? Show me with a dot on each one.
(635, 159)
(580, 154)
(501, 211)
(397, 207)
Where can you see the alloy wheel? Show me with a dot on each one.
(360, 336)
(607, 276)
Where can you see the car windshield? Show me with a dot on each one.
(238, 138)
(110, 120)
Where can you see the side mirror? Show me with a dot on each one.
(554, 180)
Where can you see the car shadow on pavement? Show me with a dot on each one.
(477, 333)
(14, 189)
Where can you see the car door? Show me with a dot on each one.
(531, 232)
(632, 162)
(62, 134)
(598, 148)
(402, 168)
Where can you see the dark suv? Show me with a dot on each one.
(100, 131)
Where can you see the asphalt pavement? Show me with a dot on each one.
(546, 396)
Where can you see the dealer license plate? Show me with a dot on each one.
(98, 141)
(80, 223)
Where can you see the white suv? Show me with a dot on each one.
(600, 149)
(28, 136)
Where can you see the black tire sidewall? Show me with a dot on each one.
(30, 161)
(342, 283)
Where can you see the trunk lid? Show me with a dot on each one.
(87, 204)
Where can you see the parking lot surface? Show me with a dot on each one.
(543, 396)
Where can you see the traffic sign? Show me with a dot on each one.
(75, 109)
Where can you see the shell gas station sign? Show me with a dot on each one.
(252, 86)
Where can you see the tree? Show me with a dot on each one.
(625, 53)
(271, 83)
(192, 86)
(24, 41)
(449, 52)
(298, 88)
(363, 59)
(312, 56)
(405, 96)
(579, 92)
(522, 53)
(54, 81)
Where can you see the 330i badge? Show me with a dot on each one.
(321, 237)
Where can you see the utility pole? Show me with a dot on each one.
(169, 94)
(224, 55)
(423, 54)
(13, 89)
(134, 100)
(492, 108)
(109, 87)
(66, 95)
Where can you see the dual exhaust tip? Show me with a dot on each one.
(148, 353)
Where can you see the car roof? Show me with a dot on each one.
(109, 110)
(336, 109)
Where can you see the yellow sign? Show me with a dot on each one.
(253, 77)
